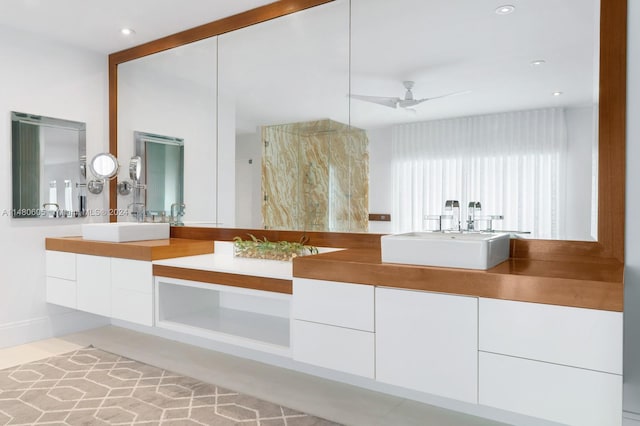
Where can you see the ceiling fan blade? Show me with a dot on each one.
(445, 95)
(380, 100)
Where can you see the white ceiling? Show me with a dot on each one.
(96, 24)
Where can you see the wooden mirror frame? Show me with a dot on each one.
(611, 124)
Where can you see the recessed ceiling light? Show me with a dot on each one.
(538, 62)
(505, 10)
(557, 93)
(127, 31)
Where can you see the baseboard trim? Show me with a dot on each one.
(33, 329)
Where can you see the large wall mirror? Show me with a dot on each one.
(48, 167)
(464, 101)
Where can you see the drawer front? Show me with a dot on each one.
(61, 265)
(132, 306)
(339, 304)
(578, 337)
(61, 292)
(132, 275)
(336, 348)
(553, 392)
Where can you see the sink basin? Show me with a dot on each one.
(119, 232)
(450, 250)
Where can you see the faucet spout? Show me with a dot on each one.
(453, 206)
(177, 211)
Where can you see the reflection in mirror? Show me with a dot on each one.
(104, 166)
(162, 160)
(519, 137)
(273, 77)
(48, 166)
(174, 93)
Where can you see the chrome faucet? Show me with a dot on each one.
(474, 208)
(452, 208)
(177, 211)
(137, 211)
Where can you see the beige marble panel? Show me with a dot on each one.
(315, 177)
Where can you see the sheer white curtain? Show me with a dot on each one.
(511, 162)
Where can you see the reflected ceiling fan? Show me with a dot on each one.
(408, 102)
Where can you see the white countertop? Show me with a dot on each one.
(223, 260)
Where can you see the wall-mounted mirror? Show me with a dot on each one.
(173, 93)
(531, 91)
(162, 160)
(48, 166)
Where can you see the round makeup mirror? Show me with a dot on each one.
(135, 168)
(104, 166)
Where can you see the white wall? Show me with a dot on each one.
(380, 195)
(632, 222)
(45, 78)
(249, 181)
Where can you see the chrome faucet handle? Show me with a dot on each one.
(178, 208)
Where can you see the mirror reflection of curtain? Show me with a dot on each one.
(26, 168)
(513, 163)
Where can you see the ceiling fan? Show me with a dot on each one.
(395, 102)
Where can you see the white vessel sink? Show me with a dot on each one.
(451, 250)
(119, 232)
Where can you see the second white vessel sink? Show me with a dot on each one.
(452, 250)
(119, 232)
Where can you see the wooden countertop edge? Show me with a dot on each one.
(276, 285)
(135, 250)
(579, 293)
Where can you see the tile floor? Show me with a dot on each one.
(335, 401)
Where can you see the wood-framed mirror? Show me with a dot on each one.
(611, 128)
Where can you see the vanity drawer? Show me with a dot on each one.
(567, 395)
(578, 337)
(336, 348)
(334, 303)
(61, 264)
(61, 292)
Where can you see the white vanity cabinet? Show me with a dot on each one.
(61, 278)
(558, 363)
(333, 325)
(427, 342)
(111, 287)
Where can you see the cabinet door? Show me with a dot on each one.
(428, 342)
(337, 348)
(131, 291)
(567, 395)
(94, 284)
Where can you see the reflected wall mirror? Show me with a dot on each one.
(48, 166)
(365, 53)
(161, 158)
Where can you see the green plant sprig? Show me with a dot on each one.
(273, 250)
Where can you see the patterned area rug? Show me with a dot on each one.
(93, 387)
